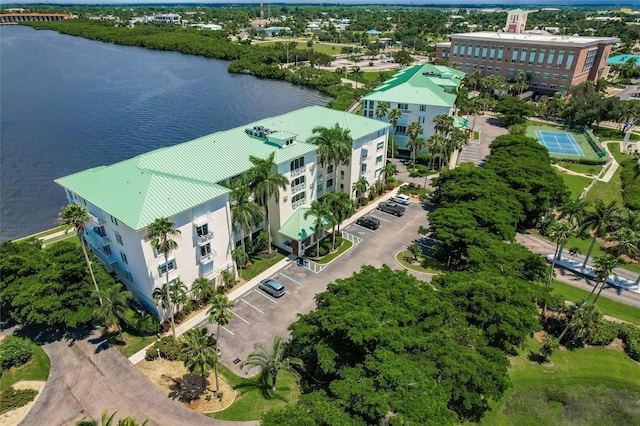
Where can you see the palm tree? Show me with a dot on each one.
(240, 257)
(416, 145)
(604, 268)
(201, 289)
(244, 212)
(522, 81)
(161, 298)
(436, 145)
(114, 307)
(627, 241)
(414, 130)
(198, 351)
(227, 278)
(220, 314)
(394, 116)
(381, 110)
(178, 293)
(271, 360)
(266, 183)
(583, 320)
(574, 210)
(604, 217)
(334, 145)
(360, 187)
(341, 206)
(162, 232)
(443, 124)
(474, 79)
(357, 73)
(388, 170)
(318, 210)
(74, 215)
(560, 231)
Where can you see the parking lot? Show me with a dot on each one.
(259, 316)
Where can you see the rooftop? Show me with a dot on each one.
(298, 228)
(536, 38)
(420, 85)
(171, 180)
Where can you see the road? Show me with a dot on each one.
(543, 247)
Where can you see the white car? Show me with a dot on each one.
(401, 199)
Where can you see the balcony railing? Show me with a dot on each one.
(406, 111)
(96, 218)
(365, 158)
(101, 255)
(297, 188)
(207, 257)
(298, 171)
(202, 219)
(203, 239)
(100, 240)
(297, 204)
(364, 172)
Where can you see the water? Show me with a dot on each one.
(68, 104)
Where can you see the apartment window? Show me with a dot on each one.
(545, 75)
(330, 168)
(401, 129)
(497, 69)
(363, 167)
(114, 220)
(297, 163)
(106, 249)
(536, 74)
(543, 85)
(423, 108)
(301, 196)
(421, 120)
(534, 84)
(466, 65)
(297, 181)
(341, 187)
(565, 77)
(475, 66)
(342, 174)
(403, 106)
(128, 276)
(555, 76)
(562, 88)
(202, 230)
(380, 145)
(119, 238)
(370, 113)
(512, 71)
(569, 60)
(162, 268)
(70, 195)
(379, 159)
(124, 258)
(488, 68)
(481, 67)
(156, 251)
(205, 250)
(553, 86)
(329, 183)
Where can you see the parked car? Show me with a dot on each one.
(401, 199)
(271, 287)
(368, 222)
(391, 208)
(138, 308)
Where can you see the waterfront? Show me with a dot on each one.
(68, 104)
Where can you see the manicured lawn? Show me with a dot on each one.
(576, 184)
(135, 342)
(589, 169)
(330, 50)
(36, 369)
(607, 134)
(346, 245)
(612, 190)
(71, 236)
(47, 232)
(583, 245)
(433, 267)
(375, 75)
(256, 397)
(578, 387)
(261, 264)
(604, 304)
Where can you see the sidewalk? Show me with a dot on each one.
(588, 272)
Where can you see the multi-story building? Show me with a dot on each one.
(188, 184)
(552, 62)
(421, 92)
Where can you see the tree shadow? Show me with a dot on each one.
(536, 357)
(43, 334)
(188, 388)
(104, 342)
(261, 384)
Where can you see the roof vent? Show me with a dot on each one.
(259, 131)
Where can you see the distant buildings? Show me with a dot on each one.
(552, 62)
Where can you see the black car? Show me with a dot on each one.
(368, 222)
(391, 208)
(138, 308)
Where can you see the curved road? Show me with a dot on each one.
(88, 376)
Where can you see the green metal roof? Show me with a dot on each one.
(299, 228)
(171, 180)
(420, 85)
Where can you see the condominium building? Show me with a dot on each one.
(420, 92)
(188, 184)
(552, 62)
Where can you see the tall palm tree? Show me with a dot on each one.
(318, 210)
(388, 170)
(627, 242)
(599, 221)
(114, 306)
(381, 110)
(266, 183)
(201, 289)
(394, 115)
(583, 320)
(474, 79)
(161, 298)
(178, 293)
(560, 232)
(220, 314)
(162, 232)
(341, 206)
(574, 210)
(604, 268)
(357, 73)
(522, 81)
(270, 359)
(443, 124)
(414, 130)
(334, 145)
(241, 258)
(436, 145)
(244, 212)
(76, 216)
(416, 145)
(198, 351)
(360, 187)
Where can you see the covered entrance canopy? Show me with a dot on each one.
(301, 231)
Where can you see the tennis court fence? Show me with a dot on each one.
(594, 142)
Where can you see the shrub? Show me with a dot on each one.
(11, 398)
(630, 335)
(140, 325)
(169, 349)
(14, 352)
(603, 334)
(325, 246)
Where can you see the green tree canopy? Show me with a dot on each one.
(513, 110)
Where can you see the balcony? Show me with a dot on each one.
(203, 239)
(297, 172)
(102, 256)
(207, 257)
(365, 158)
(406, 111)
(298, 204)
(364, 172)
(99, 239)
(96, 218)
(297, 188)
(202, 219)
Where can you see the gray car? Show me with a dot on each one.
(272, 287)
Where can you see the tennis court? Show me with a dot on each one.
(559, 143)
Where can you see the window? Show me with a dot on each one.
(363, 167)
(401, 129)
(545, 75)
(100, 231)
(423, 108)
(329, 183)
(553, 86)
(297, 181)
(561, 88)
(205, 250)
(128, 276)
(488, 68)
(297, 163)
(370, 113)
(341, 187)
(534, 84)
(162, 268)
(512, 71)
(114, 220)
(543, 85)
(565, 77)
(124, 258)
(342, 174)
(536, 74)
(330, 168)
(106, 249)
(466, 65)
(481, 67)
(202, 230)
(118, 238)
(403, 106)
(475, 66)
(497, 69)
(555, 76)
(299, 197)
(379, 159)
(380, 145)
(421, 120)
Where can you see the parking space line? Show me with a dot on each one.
(265, 296)
(379, 218)
(288, 266)
(289, 278)
(238, 316)
(287, 292)
(246, 294)
(252, 306)
(229, 331)
(362, 227)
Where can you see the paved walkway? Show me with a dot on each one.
(478, 150)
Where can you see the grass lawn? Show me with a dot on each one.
(576, 184)
(260, 264)
(583, 245)
(256, 397)
(135, 342)
(612, 190)
(374, 75)
(47, 232)
(589, 169)
(607, 134)
(71, 236)
(36, 369)
(579, 387)
(433, 267)
(605, 305)
(346, 245)
(330, 50)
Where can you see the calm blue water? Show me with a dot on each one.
(68, 104)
